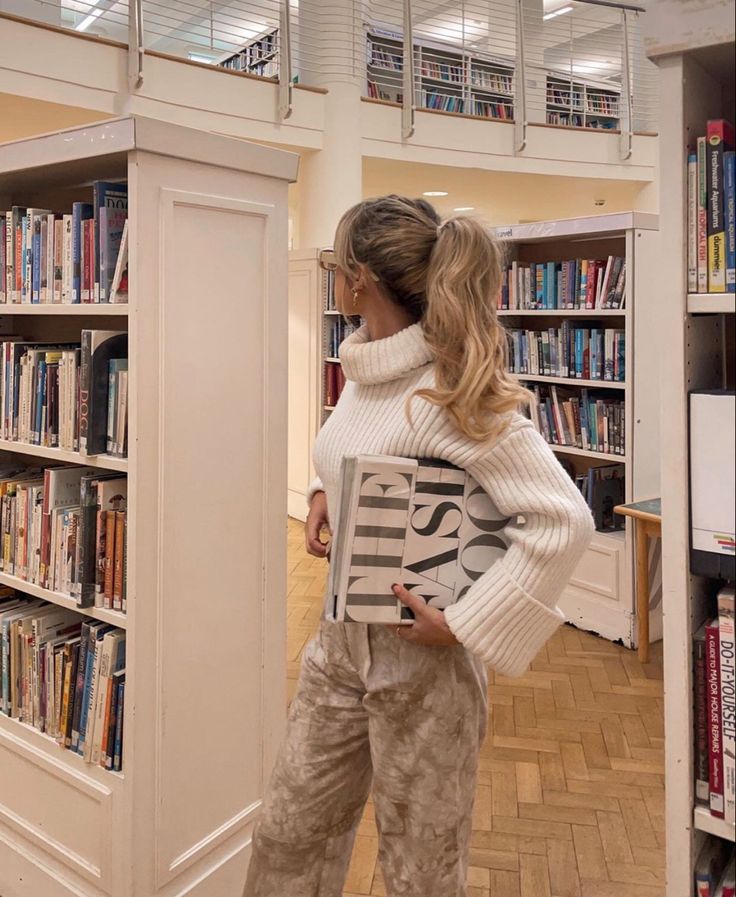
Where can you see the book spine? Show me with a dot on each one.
(728, 703)
(702, 220)
(58, 278)
(715, 756)
(692, 223)
(716, 229)
(79, 688)
(729, 181)
(76, 250)
(100, 540)
(85, 390)
(109, 558)
(118, 749)
(117, 595)
(66, 262)
(108, 746)
(700, 719)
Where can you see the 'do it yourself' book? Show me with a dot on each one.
(422, 523)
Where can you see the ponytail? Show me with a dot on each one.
(462, 329)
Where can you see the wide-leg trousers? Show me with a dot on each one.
(372, 709)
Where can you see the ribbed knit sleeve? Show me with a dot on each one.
(509, 613)
(314, 486)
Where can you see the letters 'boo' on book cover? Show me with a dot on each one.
(423, 523)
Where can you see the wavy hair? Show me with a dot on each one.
(447, 275)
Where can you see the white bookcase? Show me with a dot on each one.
(257, 56)
(600, 595)
(205, 672)
(697, 332)
(582, 104)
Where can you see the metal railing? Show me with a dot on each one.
(569, 63)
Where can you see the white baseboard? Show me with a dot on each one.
(589, 612)
(296, 506)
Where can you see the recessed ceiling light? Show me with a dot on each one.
(557, 12)
(464, 209)
(435, 193)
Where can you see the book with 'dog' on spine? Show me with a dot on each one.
(425, 524)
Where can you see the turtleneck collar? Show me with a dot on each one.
(382, 360)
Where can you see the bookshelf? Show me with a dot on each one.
(695, 57)
(206, 547)
(600, 596)
(257, 56)
(448, 79)
(582, 104)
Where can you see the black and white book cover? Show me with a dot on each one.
(423, 523)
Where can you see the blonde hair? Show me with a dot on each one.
(447, 275)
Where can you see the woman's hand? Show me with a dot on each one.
(429, 626)
(317, 520)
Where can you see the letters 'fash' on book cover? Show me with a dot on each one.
(422, 523)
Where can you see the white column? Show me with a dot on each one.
(332, 55)
(536, 75)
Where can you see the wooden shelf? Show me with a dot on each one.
(586, 453)
(711, 303)
(332, 311)
(104, 462)
(570, 381)
(704, 822)
(88, 308)
(98, 613)
(566, 312)
(334, 360)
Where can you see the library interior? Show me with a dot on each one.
(227, 680)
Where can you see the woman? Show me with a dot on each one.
(405, 708)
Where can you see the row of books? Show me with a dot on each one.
(381, 57)
(586, 420)
(65, 529)
(715, 710)
(49, 257)
(493, 110)
(340, 328)
(65, 676)
(378, 92)
(242, 63)
(492, 81)
(442, 101)
(570, 119)
(602, 104)
(576, 283)
(711, 211)
(715, 869)
(581, 352)
(604, 125)
(560, 97)
(72, 396)
(442, 71)
(602, 488)
(334, 383)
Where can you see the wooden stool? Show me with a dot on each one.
(647, 516)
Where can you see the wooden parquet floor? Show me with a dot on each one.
(570, 796)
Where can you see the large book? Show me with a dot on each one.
(60, 490)
(715, 734)
(720, 137)
(422, 523)
(726, 646)
(700, 714)
(98, 348)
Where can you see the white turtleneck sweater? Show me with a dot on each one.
(510, 612)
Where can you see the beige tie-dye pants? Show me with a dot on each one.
(373, 708)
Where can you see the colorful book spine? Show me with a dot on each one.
(729, 183)
(702, 216)
(700, 717)
(728, 700)
(719, 136)
(692, 223)
(715, 738)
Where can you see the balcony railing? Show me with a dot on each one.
(566, 63)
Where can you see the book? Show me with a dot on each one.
(692, 223)
(422, 523)
(715, 737)
(702, 215)
(720, 137)
(117, 763)
(81, 211)
(112, 224)
(727, 884)
(98, 348)
(709, 866)
(119, 285)
(61, 486)
(112, 658)
(727, 674)
(700, 716)
(110, 203)
(729, 185)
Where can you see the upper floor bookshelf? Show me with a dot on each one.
(582, 104)
(257, 56)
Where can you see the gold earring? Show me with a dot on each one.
(355, 298)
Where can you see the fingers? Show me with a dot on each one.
(418, 605)
(313, 543)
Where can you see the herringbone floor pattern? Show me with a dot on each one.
(570, 797)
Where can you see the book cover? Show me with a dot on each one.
(702, 215)
(98, 348)
(111, 660)
(107, 757)
(117, 764)
(57, 280)
(715, 742)
(67, 225)
(119, 558)
(729, 183)
(119, 285)
(422, 523)
(719, 135)
(108, 198)
(727, 674)
(112, 224)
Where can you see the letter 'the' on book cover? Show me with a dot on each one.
(422, 523)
